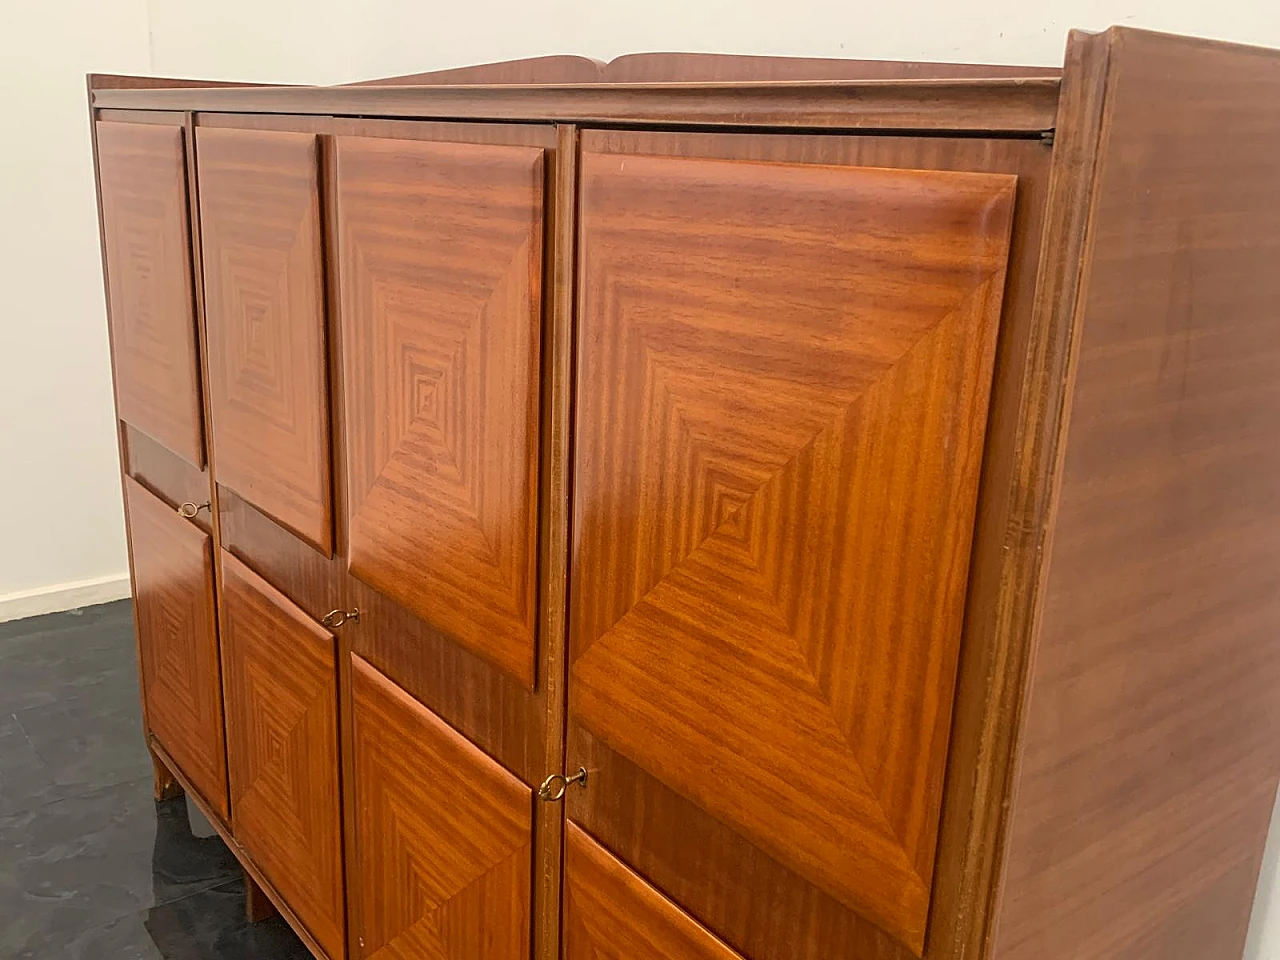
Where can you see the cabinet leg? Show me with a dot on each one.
(257, 905)
(167, 785)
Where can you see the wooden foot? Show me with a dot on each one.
(167, 785)
(257, 905)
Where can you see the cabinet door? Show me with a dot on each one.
(612, 914)
(440, 248)
(143, 178)
(178, 641)
(282, 747)
(264, 297)
(782, 389)
(442, 836)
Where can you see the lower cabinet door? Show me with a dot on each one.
(612, 914)
(442, 836)
(280, 671)
(178, 640)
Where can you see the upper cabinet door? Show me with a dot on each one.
(143, 178)
(440, 247)
(782, 390)
(264, 313)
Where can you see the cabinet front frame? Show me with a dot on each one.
(990, 670)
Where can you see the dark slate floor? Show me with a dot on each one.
(91, 868)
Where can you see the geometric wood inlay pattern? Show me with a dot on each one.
(143, 177)
(443, 836)
(783, 379)
(280, 676)
(178, 640)
(612, 914)
(264, 308)
(440, 247)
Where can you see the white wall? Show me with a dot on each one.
(60, 515)
(61, 519)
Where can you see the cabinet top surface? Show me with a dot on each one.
(642, 89)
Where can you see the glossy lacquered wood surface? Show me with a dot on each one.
(280, 681)
(440, 247)
(164, 473)
(1018, 106)
(264, 313)
(143, 189)
(612, 914)
(442, 836)
(1149, 764)
(178, 640)
(774, 494)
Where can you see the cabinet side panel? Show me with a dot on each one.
(1148, 765)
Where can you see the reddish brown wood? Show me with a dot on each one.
(443, 836)
(264, 308)
(282, 747)
(1148, 765)
(612, 914)
(1003, 105)
(164, 473)
(167, 786)
(554, 69)
(246, 862)
(257, 905)
(744, 451)
(440, 249)
(722, 68)
(178, 642)
(142, 177)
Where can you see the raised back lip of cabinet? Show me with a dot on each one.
(1000, 106)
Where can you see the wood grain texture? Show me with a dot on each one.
(1148, 765)
(745, 446)
(280, 681)
(443, 836)
(257, 905)
(220, 826)
(143, 187)
(164, 473)
(178, 640)
(721, 68)
(1001, 105)
(264, 309)
(551, 69)
(763, 909)
(612, 914)
(440, 250)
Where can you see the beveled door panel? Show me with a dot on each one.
(783, 378)
(612, 914)
(264, 310)
(440, 251)
(280, 670)
(143, 177)
(178, 640)
(442, 836)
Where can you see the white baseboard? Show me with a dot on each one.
(63, 596)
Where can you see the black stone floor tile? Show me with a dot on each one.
(91, 868)
(25, 781)
(79, 863)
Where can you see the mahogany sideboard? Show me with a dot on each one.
(705, 507)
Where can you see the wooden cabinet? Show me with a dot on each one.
(264, 307)
(178, 640)
(280, 677)
(442, 837)
(142, 178)
(809, 510)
